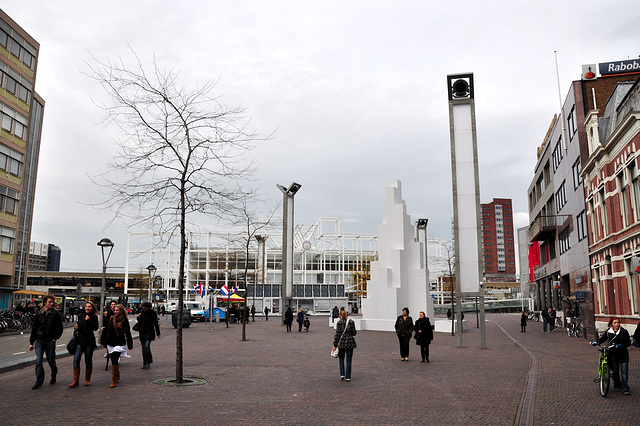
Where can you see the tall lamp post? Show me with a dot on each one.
(152, 272)
(287, 243)
(106, 246)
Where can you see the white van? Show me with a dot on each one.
(196, 309)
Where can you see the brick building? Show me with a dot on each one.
(613, 201)
(498, 243)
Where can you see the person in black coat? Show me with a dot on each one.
(404, 330)
(117, 334)
(87, 324)
(523, 322)
(148, 328)
(45, 330)
(345, 342)
(288, 318)
(618, 356)
(423, 336)
(300, 320)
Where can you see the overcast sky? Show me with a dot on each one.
(355, 92)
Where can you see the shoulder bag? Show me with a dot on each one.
(73, 343)
(334, 352)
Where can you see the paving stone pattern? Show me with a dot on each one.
(289, 378)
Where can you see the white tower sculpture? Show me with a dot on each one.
(399, 278)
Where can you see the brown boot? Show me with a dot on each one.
(76, 378)
(87, 378)
(114, 376)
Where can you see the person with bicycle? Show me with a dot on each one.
(618, 357)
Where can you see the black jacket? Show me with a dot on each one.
(46, 326)
(86, 329)
(404, 327)
(622, 337)
(348, 341)
(149, 327)
(288, 316)
(424, 332)
(113, 337)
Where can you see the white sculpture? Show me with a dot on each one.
(399, 278)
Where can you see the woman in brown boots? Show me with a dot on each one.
(116, 335)
(87, 324)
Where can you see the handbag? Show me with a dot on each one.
(73, 343)
(136, 326)
(334, 352)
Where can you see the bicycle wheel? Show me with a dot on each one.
(605, 378)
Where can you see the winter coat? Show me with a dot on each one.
(404, 327)
(46, 326)
(622, 337)
(347, 341)
(300, 319)
(86, 329)
(149, 326)
(424, 332)
(523, 320)
(288, 316)
(117, 332)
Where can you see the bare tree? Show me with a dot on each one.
(248, 219)
(449, 264)
(182, 154)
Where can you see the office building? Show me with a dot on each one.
(21, 121)
(559, 248)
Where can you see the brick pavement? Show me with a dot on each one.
(289, 378)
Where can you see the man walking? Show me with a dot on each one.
(45, 330)
(545, 316)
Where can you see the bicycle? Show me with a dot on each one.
(573, 327)
(532, 316)
(604, 371)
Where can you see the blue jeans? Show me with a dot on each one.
(620, 374)
(341, 355)
(48, 349)
(147, 357)
(88, 357)
(544, 325)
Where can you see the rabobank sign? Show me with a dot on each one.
(619, 67)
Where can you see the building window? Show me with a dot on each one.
(561, 197)
(557, 154)
(563, 240)
(14, 122)
(635, 191)
(581, 225)
(572, 123)
(8, 239)
(9, 200)
(623, 198)
(632, 283)
(577, 167)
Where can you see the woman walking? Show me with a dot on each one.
(523, 322)
(404, 330)
(345, 342)
(424, 335)
(87, 324)
(147, 331)
(117, 335)
(288, 318)
(300, 319)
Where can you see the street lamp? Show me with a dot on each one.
(152, 271)
(287, 241)
(106, 246)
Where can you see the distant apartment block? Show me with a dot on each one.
(498, 241)
(44, 257)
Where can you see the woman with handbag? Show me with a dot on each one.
(424, 335)
(85, 344)
(345, 343)
(147, 328)
(117, 334)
